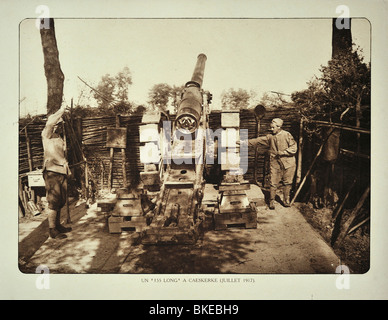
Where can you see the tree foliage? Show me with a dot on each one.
(159, 95)
(272, 100)
(162, 96)
(112, 92)
(340, 94)
(88, 111)
(235, 99)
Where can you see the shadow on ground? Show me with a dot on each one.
(211, 255)
(90, 248)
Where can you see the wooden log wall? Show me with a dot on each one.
(92, 133)
(30, 146)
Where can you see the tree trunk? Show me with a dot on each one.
(52, 68)
(341, 38)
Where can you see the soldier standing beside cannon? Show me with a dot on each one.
(282, 149)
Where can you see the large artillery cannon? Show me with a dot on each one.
(190, 108)
(174, 191)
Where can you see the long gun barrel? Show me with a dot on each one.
(190, 107)
(199, 70)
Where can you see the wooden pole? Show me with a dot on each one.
(22, 197)
(352, 216)
(68, 219)
(110, 169)
(123, 161)
(255, 167)
(123, 157)
(311, 166)
(340, 126)
(86, 181)
(30, 164)
(358, 225)
(339, 208)
(101, 176)
(307, 174)
(300, 142)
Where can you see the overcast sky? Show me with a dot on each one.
(253, 54)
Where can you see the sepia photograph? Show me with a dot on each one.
(169, 151)
(194, 146)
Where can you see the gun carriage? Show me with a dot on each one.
(176, 202)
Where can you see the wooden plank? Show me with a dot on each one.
(247, 220)
(358, 225)
(30, 165)
(234, 203)
(341, 126)
(339, 208)
(300, 152)
(230, 119)
(234, 186)
(116, 138)
(110, 172)
(117, 224)
(308, 172)
(22, 197)
(346, 227)
(123, 166)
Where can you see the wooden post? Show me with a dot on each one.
(30, 164)
(307, 174)
(68, 220)
(358, 225)
(78, 121)
(339, 208)
(123, 161)
(300, 142)
(311, 166)
(22, 197)
(352, 216)
(86, 181)
(110, 169)
(123, 157)
(101, 176)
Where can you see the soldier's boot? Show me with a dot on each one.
(286, 195)
(53, 231)
(272, 195)
(58, 226)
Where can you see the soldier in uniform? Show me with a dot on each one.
(55, 172)
(282, 149)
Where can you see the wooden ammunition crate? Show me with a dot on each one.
(247, 220)
(35, 179)
(118, 224)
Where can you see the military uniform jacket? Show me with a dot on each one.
(282, 148)
(54, 158)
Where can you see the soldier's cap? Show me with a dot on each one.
(278, 122)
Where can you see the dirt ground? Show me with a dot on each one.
(283, 243)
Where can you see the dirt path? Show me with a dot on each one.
(283, 243)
